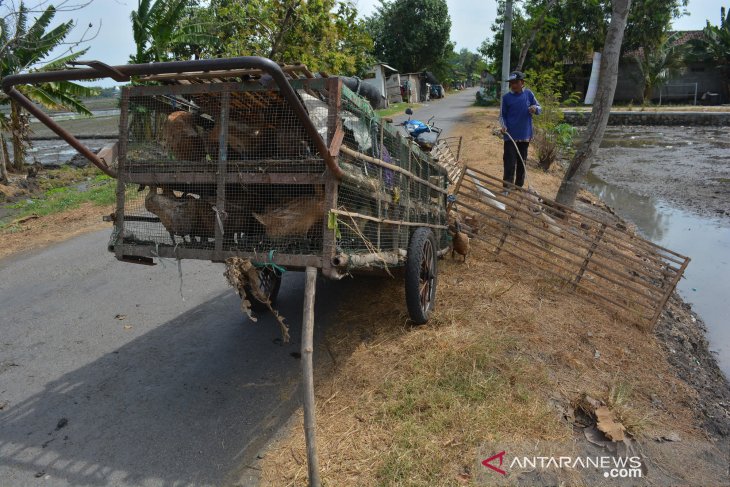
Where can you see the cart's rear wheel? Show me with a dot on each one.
(270, 282)
(421, 273)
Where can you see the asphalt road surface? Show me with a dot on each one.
(109, 377)
(446, 112)
(115, 374)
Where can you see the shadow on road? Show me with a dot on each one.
(184, 404)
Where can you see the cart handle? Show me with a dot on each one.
(101, 70)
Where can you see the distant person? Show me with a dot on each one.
(518, 107)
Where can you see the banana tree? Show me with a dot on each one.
(714, 47)
(23, 48)
(160, 27)
(658, 66)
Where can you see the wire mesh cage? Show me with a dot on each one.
(229, 168)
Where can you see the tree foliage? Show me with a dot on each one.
(26, 45)
(715, 44)
(569, 31)
(323, 34)
(162, 28)
(412, 35)
(659, 64)
(553, 138)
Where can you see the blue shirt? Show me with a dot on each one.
(515, 115)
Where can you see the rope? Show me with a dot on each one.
(270, 264)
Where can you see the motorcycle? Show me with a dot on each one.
(424, 134)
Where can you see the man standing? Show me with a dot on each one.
(518, 107)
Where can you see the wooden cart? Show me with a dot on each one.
(245, 158)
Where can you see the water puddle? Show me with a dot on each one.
(705, 240)
(58, 151)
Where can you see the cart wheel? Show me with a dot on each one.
(270, 281)
(421, 275)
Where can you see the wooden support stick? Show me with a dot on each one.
(308, 377)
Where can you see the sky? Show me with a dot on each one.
(470, 23)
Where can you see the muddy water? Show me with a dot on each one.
(674, 184)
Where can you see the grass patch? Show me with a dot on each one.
(451, 397)
(396, 108)
(99, 190)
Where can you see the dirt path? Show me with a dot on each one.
(32, 233)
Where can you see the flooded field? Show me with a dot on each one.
(673, 183)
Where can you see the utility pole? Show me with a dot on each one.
(507, 47)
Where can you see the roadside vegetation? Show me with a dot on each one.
(396, 109)
(508, 358)
(98, 190)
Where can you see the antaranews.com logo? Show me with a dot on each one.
(616, 467)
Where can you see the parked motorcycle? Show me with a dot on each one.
(424, 134)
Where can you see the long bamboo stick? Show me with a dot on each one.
(555, 204)
(392, 167)
(308, 377)
(384, 220)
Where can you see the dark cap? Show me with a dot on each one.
(515, 75)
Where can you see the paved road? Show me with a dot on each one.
(446, 111)
(179, 392)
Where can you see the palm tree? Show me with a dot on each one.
(24, 48)
(715, 45)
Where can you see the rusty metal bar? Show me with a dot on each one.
(250, 62)
(231, 177)
(121, 180)
(168, 251)
(220, 208)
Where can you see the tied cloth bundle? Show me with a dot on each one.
(244, 276)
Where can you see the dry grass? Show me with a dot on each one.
(506, 354)
(36, 233)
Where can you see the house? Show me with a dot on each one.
(411, 87)
(688, 86)
(386, 80)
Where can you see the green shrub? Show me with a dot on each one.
(553, 137)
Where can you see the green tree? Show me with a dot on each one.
(26, 46)
(714, 47)
(412, 35)
(649, 24)
(569, 31)
(659, 64)
(323, 34)
(581, 162)
(162, 28)
(553, 137)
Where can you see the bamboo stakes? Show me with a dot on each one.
(608, 265)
